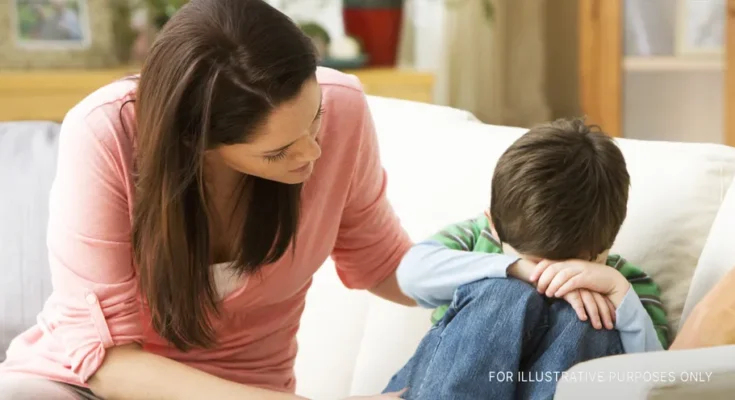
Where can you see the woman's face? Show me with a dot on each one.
(285, 147)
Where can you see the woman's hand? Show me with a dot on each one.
(558, 278)
(593, 306)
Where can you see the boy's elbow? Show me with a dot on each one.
(406, 280)
(408, 273)
(413, 276)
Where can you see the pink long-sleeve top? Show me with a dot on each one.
(95, 302)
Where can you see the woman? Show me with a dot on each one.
(190, 209)
(712, 321)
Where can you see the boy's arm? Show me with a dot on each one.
(637, 331)
(432, 270)
(641, 318)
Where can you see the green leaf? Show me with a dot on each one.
(489, 9)
(487, 6)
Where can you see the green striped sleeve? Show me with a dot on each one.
(469, 235)
(649, 293)
(438, 313)
(460, 236)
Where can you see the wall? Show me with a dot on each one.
(684, 105)
(562, 82)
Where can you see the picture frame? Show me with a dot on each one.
(701, 28)
(53, 34)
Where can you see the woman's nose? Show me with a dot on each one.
(310, 151)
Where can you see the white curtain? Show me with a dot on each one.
(493, 68)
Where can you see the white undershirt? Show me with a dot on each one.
(226, 280)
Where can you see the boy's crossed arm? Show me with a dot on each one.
(467, 252)
(643, 327)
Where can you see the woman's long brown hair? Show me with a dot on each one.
(213, 75)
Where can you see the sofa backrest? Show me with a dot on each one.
(27, 168)
(439, 170)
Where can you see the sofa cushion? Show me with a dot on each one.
(27, 165)
(676, 192)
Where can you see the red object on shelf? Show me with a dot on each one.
(377, 24)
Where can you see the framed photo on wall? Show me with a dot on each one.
(37, 34)
(701, 27)
(51, 24)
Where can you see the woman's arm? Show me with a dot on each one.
(390, 290)
(370, 241)
(712, 321)
(128, 372)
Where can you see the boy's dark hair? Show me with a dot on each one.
(560, 192)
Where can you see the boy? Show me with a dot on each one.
(559, 197)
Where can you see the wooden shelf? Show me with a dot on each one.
(604, 71)
(673, 64)
(48, 95)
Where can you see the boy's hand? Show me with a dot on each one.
(558, 278)
(599, 308)
(522, 269)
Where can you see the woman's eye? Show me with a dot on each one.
(276, 157)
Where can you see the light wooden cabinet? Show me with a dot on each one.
(48, 95)
(662, 90)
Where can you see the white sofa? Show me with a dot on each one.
(440, 162)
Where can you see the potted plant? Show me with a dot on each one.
(487, 6)
(378, 23)
(160, 11)
(125, 35)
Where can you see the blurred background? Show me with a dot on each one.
(646, 69)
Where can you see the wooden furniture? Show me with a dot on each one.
(600, 61)
(48, 95)
(608, 79)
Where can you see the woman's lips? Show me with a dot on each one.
(301, 168)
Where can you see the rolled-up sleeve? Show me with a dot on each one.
(95, 301)
(371, 241)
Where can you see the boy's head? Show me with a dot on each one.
(560, 192)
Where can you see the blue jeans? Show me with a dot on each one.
(500, 339)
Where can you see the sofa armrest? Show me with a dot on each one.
(664, 374)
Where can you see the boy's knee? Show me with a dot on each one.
(509, 293)
(584, 332)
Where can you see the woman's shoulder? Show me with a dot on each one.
(344, 102)
(339, 88)
(107, 115)
(342, 82)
